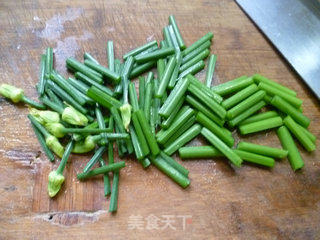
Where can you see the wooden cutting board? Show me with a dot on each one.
(221, 202)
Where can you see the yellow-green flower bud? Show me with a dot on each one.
(11, 92)
(55, 180)
(72, 116)
(85, 146)
(54, 144)
(55, 129)
(125, 110)
(44, 117)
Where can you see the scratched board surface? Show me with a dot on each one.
(220, 203)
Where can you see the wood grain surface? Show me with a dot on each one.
(221, 202)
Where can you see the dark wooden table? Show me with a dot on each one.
(221, 203)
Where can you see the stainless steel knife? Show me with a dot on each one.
(293, 26)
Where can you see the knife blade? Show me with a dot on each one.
(293, 26)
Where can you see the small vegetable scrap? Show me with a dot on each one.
(100, 107)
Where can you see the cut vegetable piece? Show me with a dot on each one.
(127, 67)
(49, 61)
(140, 135)
(174, 164)
(204, 54)
(115, 184)
(142, 86)
(287, 108)
(136, 145)
(82, 87)
(233, 85)
(258, 78)
(145, 162)
(214, 128)
(261, 125)
(94, 125)
(193, 69)
(153, 145)
(175, 73)
(42, 77)
(173, 39)
(196, 52)
(54, 106)
(140, 49)
(97, 155)
(267, 98)
(299, 134)
(133, 97)
(239, 96)
(121, 127)
(101, 123)
(294, 101)
(43, 144)
(222, 147)
(175, 96)
(76, 66)
(161, 53)
(110, 54)
(136, 71)
(113, 207)
(183, 139)
(170, 171)
(167, 38)
(149, 50)
(204, 88)
(90, 82)
(180, 131)
(93, 131)
(197, 105)
(148, 99)
(177, 115)
(117, 66)
(88, 56)
(53, 98)
(102, 98)
(288, 144)
(163, 136)
(66, 97)
(167, 122)
(210, 69)
(125, 82)
(161, 65)
(103, 71)
(245, 104)
(256, 107)
(101, 170)
(67, 87)
(209, 102)
(312, 137)
(106, 180)
(199, 152)
(260, 116)
(255, 158)
(198, 43)
(163, 44)
(166, 77)
(180, 41)
(262, 150)
(156, 105)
